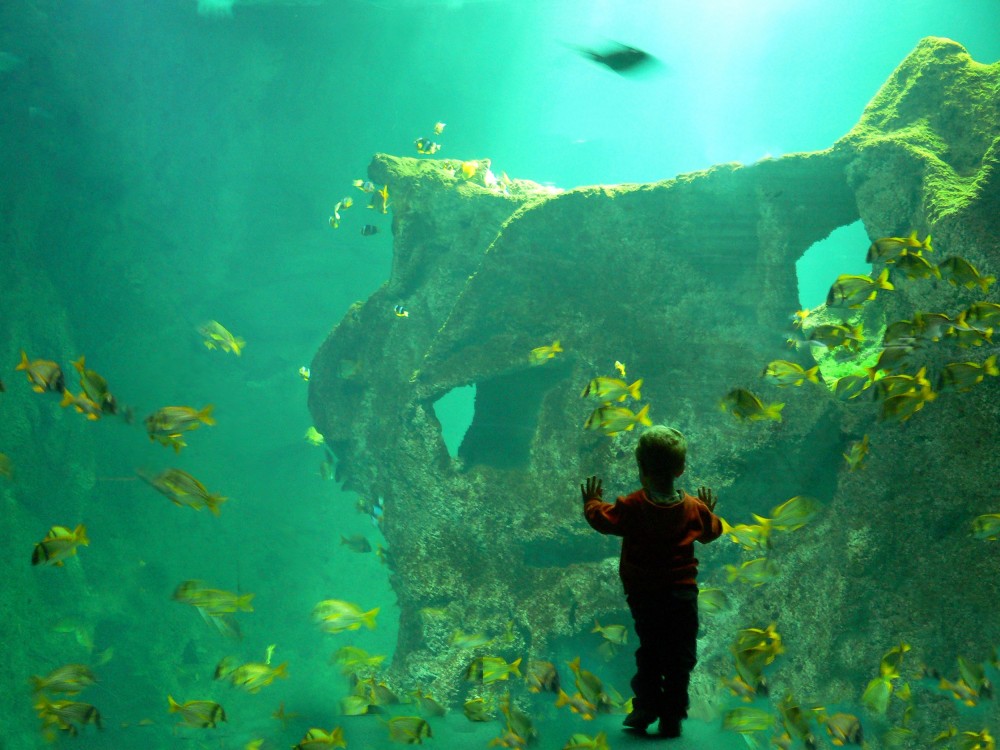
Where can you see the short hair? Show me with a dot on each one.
(661, 453)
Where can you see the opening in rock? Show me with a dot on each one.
(843, 251)
(506, 417)
(454, 411)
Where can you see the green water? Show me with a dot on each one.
(164, 166)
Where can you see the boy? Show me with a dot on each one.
(658, 526)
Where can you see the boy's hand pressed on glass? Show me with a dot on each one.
(708, 497)
(592, 489)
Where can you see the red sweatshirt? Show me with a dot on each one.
(657, 540)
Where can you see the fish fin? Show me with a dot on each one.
(213, 502)
(643, 416)
(205, 415)
(633, 390)
(811, 374)
(883, 281)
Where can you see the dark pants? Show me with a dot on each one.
(667, 626)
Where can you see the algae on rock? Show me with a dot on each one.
(691, 282)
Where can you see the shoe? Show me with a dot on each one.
(670, 726)
(639, 719)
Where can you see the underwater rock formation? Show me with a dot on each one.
(690, 282)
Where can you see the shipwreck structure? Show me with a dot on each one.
(690, 282)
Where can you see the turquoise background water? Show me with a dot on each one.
(164, 166)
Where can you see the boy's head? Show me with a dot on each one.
(660, 454)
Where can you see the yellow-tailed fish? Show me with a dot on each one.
(496, 669)
(66, 715)
(43, 374)
(336, 616)
(756, 572)
(469, 640)
(747, 720)
(794, 513)
(914, 266)
(168, 423)
(844, 729)
(617, 634)
(712, 600)
(894, 385)
(901, 407)
(620, 367)
(784, 373)
(851, 386)
(614, 419)
(612, 389)
(740, 688)
(577, 703)
(745, 405)
(542, 676)
(69, 679)
(509, 739)
(854, 291)
(986, 527)
(542, 354)
(887, 249)
(588, 683)
(217, 336)
(182, 489)
(59, 544)
(82, 404)
(903, 332)
(892, 359)
(752, 537)
(429, 706)
(95, 387)
(252, 676)
(515, 719)
(409, 730)
(967, 335)
(856, 453)
(960, 272)
(962, 376)
(981, 314)
(212, 601)
(832, 335)
(581, 741)
(201, 714)
(356, 543)
(321, 739)
(477, 709)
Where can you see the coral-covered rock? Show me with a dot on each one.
(690, 282)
